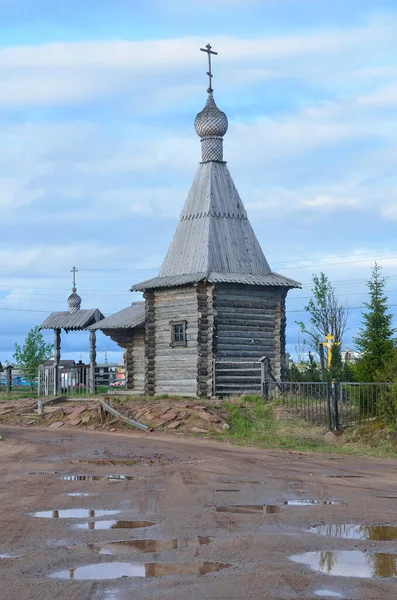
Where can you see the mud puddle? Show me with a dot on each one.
(98, 477)
(73, 513)
(350, 563)
(307, 502)
(42, 473)
(328, 594)
(344, 476)
(378, 533)
(248, 509)
(114, 525)
(123, 462)
(116, 570)
(226, 490)
(112, 548)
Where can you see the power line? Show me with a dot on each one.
(293, 266)
(344, 308)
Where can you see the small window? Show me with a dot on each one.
(178, 333)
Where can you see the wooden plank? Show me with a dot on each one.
(114, 412)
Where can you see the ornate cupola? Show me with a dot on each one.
(74, 300)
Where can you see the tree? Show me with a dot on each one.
(327, 314)
(32, 354)
(375, 339)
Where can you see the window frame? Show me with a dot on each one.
(178, 343)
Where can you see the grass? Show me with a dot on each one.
(254, 422)
(17, 394)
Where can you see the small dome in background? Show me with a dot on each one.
(211, 122)
(74, 302)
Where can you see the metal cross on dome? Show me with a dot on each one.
(208, 50)
(74, 271)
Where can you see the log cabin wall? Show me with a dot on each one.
(132, 340)
(172, 369)
(249, 323)
(205, 340)
(138, 361)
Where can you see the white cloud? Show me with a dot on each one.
(385, 97)
(70, 72)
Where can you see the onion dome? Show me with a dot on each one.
(211, 125)
(74, 301)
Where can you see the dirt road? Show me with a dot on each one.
(177, 545)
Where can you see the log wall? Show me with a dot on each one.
(205, 339)
(133, 342)
(249, 323)
(171, 370)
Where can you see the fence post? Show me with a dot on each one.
(335, 405)
(8, 379)
(92, 361)
(264, 376)
(213, 377)
(322, 364)
(340, 409)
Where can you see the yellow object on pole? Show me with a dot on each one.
(329, 343)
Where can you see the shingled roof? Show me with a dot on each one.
(214, 239)
(128, 318)
(76, 321)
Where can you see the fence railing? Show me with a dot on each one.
(336, 405)
(12, 379)
(309, 400)
(77, 379)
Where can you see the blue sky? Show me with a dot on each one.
(98, 150)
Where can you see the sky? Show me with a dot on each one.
(98, 149)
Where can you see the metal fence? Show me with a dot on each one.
(310, 401)
(336, 405)
(76, 380)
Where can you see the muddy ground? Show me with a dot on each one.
(175, 485)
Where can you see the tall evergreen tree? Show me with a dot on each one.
(375, 339)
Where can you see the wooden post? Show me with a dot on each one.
(322, 363)
(92, 361)
(9, 379)
(57, 359)
(264, 376)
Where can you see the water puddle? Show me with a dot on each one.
(253, 482)
(6, 556)
(344, 476)
(42, 473)
(311, 502)
(73, 513)
(268, 509)
(115, 570)
(226, 490)
(114, 525)
(328, 594)
(144, 546)
(376, 533)
(350, 563)
(98, 477)
(77, 495)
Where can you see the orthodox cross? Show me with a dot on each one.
(74, 271)
(329, 343)
(208, 50)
